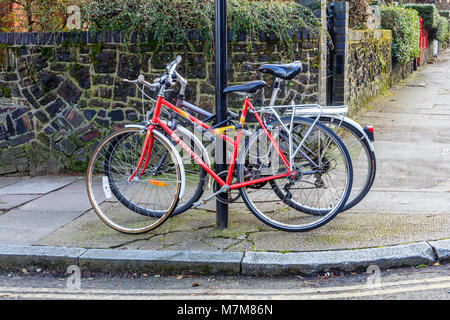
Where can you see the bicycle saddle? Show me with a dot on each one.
(283, 71)
(249, 87)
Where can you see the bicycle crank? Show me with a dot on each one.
(230, 195)
(224, 188)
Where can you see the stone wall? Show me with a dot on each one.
(369, 66)
(362, 67)
(370, 71)
(61, 93)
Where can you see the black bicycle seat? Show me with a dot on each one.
(283, 71)
(248, 87)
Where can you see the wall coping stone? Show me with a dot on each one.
(361, 35)
(115, 37)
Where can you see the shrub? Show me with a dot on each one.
(405, 27)
(34, 15)
(442, 33)
(428, 12)
(174, 20)
(445, 14)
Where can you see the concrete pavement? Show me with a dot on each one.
(403, 221)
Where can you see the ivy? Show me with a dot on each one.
(405, 26)
(189, 21)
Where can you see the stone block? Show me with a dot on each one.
(69, 92)
(105, 61)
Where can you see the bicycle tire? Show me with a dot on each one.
(359, 189)
(364, 166)
(189, 197)
(310, 223)
(102, 180)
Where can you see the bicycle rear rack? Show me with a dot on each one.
(309, 110)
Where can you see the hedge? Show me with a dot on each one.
(405, 27)
(445, 14)
(428, 12)
(442, 33)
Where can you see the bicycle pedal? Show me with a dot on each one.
(199, 203)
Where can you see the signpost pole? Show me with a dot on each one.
(221, 100)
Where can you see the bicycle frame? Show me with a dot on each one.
(156, 121)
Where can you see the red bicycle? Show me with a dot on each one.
(136, 176)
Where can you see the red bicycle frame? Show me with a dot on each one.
(148, 143)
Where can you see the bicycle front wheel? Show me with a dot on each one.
(322, 183)
(145, 202)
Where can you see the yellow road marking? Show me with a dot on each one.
(306, 293)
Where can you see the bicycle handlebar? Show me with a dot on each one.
(170, 70)
(172, 66)
(141, 80)
(165, 79)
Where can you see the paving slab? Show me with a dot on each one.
(37, 185)
(6, 181)
(27, 227)
(72, 197)
(272, 263)
(410, 174)
(410, 201)
(9, 201)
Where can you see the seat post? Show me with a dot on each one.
(276, 88)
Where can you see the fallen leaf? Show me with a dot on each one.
(195, 284)
(25, 271)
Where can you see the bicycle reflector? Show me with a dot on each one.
(157, 183)
(370, 133)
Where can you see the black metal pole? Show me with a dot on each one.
(221, 100)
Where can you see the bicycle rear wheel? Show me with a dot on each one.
(322, 184)
(361, 154)
(145, 202)
(362, 157)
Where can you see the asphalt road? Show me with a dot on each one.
(414, 283)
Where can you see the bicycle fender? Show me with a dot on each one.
(169, 143)
(355, 125)
(197, 146)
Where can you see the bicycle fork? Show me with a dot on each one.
(145, 153)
